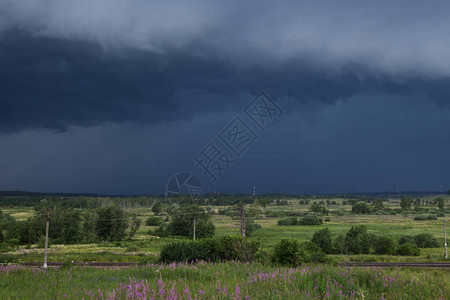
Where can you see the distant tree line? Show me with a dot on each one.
(70, 226)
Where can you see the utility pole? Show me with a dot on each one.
(46, 236)
(194, 228)
(445, 241)
(242, 221)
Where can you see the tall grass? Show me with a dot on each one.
(231, 280)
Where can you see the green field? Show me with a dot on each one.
(232, 280)
(145, 247)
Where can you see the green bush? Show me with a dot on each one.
(161, 231)
(312, 253)
(426, 240)
(153, 221)
(288, 221)
(223, 248)
(7, 259)
(425, 217)
(357, 240)
(385, 245)
(408, 249)
(339, 245)
(322, 238)
(251, 226)
(310, 219)
(406, 239)
(287, 253)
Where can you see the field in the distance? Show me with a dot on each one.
(144, 247)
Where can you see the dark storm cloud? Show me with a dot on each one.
(86, 63)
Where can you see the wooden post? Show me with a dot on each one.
(46, 237)
(242, 221)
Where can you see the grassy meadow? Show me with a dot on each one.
(145, 247)
(230, 280)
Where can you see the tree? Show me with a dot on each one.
(417, 203)
(361, 208)
(322, 238)
(357, 240)
(263, 203)
(111, 224)
(157, 208)
(182, 222)
(71, 226)
(287, 252)
(406, 202)
(378, 205)
(385, 245)
(317, 208)
(135, 224)
(440, 202)
(310, 219)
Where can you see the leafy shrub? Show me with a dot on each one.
(6, 259)
(426, 240)
(425, 217)
(339, 212)
(161, 230)
(317, 208)
(153, 221)
(361, 208)
(327, 219)
(406, 239)
(339, 245)
(182, 223)
(385, 245)
(223, 248)
(288, 221)
(287, 252)
(310, 219)
(357, 240)
(441, 215)
(250, 226)
(408, 249)
(322, 238)
(311, 253)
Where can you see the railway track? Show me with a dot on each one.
(382, 264)
(349, 264)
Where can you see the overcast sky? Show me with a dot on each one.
(117, 96)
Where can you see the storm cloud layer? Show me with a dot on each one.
(101, 66)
